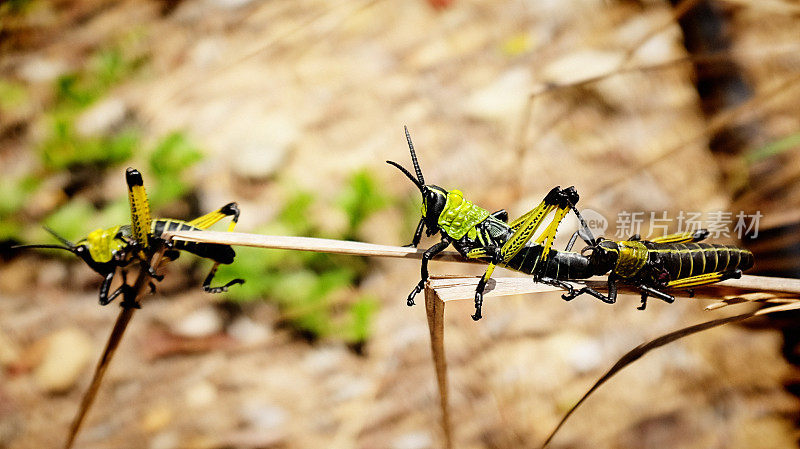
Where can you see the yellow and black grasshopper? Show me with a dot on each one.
(670, 262)
(675, 261)
(478, 234)
(106, 250)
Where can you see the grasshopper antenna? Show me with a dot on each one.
(41, 247)
(66, 242)
(414, 157)
(406, 172)
(584, 231)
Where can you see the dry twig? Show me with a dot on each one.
(124, 317)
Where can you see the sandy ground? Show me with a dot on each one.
(324, 88)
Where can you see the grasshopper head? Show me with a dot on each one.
(81, 249)
(434, 197)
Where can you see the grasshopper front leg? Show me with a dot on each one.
(426, 257)
(417, 234)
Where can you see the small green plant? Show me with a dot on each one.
(170, 158)
(362, 197)
(168, 161)
(314, 290)
(12, 95)
(63, 147)
(15, 7)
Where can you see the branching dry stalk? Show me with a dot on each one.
(124, 317)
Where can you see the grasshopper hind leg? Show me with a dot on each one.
(224, 288)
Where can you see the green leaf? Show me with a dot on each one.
(362, 197)
(790, 142)
(71, 219)
(174, 154)
(12, 95)
(361, 313)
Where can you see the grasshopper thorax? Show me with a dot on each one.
(605, 255)
(102, 245)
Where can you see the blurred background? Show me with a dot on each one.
(291, 108)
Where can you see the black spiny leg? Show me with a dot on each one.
(207, 282)
(479, 295)
(496, 256)
(128, 295)
(571, 241)
(649, 291)
(560, 284)
(610, 299)
(427, 256)
(417, 234)
(105, 287)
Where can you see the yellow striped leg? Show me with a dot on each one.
(140, 207)
(140, 228)
(549, 233)
(205, 222)
(524, 228)
(704, 279)
(211, 218)
(682, 237)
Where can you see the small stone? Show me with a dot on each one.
(263, 416)
(324, 359)
(41, 70)
(201, 394)
(9, 350)
(166, 440)
(259, 153)
(102, 118)
(199, 323)
(585, 355)
(248, 331)
(503, 99)
(67, 354)
(157, 418)
(414, 440)
(582, 65)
